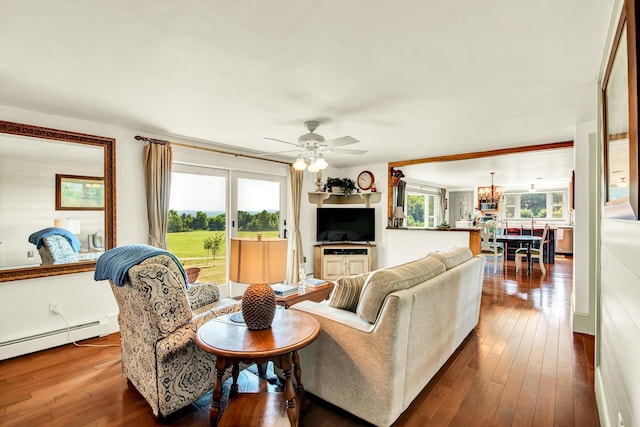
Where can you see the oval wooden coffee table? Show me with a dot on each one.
(233, 343)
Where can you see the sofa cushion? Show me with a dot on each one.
(347, 290)
(453, 257)
(383, 282)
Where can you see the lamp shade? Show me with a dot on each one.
(72, 225)
(259, 262)
(399, 212)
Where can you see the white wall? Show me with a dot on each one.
(617, 376)
(586, 161)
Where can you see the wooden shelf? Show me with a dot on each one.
(319, 198)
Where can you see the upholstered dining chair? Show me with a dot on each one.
(158, 321)
(536, 253)
(490, 248)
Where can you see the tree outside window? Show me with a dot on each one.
(549, 205)
(422, 210)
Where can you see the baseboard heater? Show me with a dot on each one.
(44, 340)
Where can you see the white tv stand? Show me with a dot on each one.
(333, 260)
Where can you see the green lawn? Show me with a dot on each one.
(189, 248)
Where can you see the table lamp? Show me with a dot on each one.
(72, 225)
(258, 261)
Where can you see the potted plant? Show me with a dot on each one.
(344, 185)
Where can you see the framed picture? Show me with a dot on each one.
(620, 120)
(79, 193)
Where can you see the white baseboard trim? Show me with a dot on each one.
(583, 323)
(601, 400)
(48, 339)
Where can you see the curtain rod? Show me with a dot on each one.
(213, 150)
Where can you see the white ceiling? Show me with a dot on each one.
(408, 78)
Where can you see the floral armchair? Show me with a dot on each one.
(57, 250)
(158, 321)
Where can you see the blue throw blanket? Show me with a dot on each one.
(36, 238)
(114, 264)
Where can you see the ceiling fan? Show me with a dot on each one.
(311, 148)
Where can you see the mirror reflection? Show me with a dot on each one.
(39, 236)
(28, 190)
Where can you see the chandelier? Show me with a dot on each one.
(492, 194)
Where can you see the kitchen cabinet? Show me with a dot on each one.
(564, 240)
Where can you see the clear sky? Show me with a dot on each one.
(208, 193)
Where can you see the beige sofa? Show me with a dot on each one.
(408, 320)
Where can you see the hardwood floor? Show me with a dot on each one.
(521, 366)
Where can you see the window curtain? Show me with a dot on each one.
(157, 159)
(400, 195)
(297, 256)
(443, 203)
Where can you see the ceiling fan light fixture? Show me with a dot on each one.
(313, 166)
(321, 162)
(300, 164)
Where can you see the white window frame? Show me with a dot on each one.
(549, 204)
(426, 193)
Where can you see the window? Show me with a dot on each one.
(197, 227)
(209, 206)
(543, 205)
(422, 209)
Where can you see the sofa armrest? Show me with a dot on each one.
(357, 355)
(343, 318)
(201, 294)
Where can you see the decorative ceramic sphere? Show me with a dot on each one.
(258, 306)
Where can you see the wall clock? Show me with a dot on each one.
(365, 180)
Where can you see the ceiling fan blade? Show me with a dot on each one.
(277, 152)
(279, 140)
(339, 142)
(347, 151)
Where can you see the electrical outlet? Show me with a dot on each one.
(54, 308)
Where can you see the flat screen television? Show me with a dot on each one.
(346, 225)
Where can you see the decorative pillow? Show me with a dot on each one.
(453, 257)
(383, 282)
(346, 292)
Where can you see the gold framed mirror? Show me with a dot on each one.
(34, 140)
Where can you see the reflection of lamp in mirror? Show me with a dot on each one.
(398, 216)
(72, 225)
(259, 262)
(532, 189)
(623, 183)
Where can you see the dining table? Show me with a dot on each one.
(524, 239)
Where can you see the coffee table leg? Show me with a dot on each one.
(221, 364)
(297, 372)
(289, 391)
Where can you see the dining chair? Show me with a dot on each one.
(536, 253)
(510, 248)
(490, 248)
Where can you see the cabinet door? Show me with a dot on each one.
(357, 264)
(333, 267)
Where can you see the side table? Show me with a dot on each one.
(311, 293)
(233, 343)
